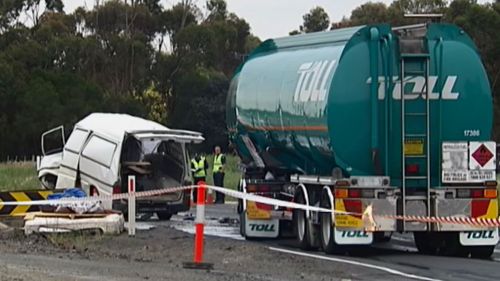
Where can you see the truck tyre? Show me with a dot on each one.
(327, 236)
(382, 237)
(424, 243)
(304, 229)
(482, 252)
(164, 216)
(452, 246)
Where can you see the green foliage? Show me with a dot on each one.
(316, 20)
(114, 58)
(202, 93)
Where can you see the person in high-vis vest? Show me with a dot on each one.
(218, 173)
(199, 167)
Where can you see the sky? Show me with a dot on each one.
(267, 18)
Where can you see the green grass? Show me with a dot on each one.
(18, 176)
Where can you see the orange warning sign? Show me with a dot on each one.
(482, 155)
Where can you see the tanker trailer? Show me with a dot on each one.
(398, 118)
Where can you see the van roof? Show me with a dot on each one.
(116, 126)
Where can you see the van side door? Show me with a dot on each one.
(99, 163)
(68, 170)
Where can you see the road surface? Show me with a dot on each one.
(393, 259)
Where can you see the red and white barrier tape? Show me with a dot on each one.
(449, 220)
(368, 216)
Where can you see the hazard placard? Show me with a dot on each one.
(482, 155)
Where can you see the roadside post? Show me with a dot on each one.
(131, 205)
(199, 224)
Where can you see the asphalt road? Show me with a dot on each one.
(395, 260)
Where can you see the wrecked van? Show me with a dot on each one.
(105, 148)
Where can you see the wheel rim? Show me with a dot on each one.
(301, 224)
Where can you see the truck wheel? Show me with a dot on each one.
(482, 252)
(304, 229)
(452, 246)
(164, 216)
(327, 229)
(424, 243)
(382, 236)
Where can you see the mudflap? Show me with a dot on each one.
(262, 228)
(258, 221)
(488, 237)
(353, 237)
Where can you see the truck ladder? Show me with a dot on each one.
(421, 116)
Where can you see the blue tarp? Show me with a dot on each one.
(68, 193)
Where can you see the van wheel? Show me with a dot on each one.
(482, 252)
(327, 231)
(304, 229)
(48, 182)
(164, 216)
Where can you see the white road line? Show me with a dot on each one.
(344, 260)
(496, 251)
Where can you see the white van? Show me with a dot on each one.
(104, 149)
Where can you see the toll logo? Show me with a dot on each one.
(354, 234)
(262, 227)
(480, 235)
(415, 88)
(312, 84)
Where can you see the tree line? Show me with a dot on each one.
(172, 65)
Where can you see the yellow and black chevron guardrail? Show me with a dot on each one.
(22, 196)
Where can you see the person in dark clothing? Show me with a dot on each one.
(218, 173)
(199, 167)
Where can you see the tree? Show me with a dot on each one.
(369, 13)
(316, 20)
(217, 10)
(112, 58)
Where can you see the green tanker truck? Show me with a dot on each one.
(397, 118)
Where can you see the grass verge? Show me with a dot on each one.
(18, 176)
(75, 240)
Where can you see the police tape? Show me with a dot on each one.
(367, 216)
(481, 222)
(156, 192)
(100, 198)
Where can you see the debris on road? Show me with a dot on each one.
(54, 222)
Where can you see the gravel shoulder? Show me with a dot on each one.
(156, 254)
